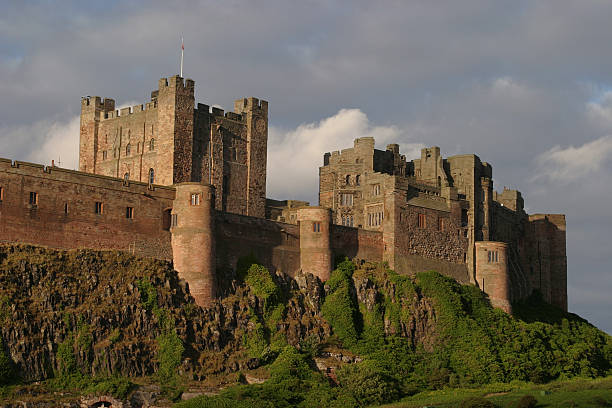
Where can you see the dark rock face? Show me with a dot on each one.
(95, 302)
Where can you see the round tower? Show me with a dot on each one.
(193, 239)
(492, 274)
(315, 245)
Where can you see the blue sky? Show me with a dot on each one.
(525, 85)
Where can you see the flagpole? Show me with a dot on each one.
(182, 50)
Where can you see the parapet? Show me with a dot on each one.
(511, 199)
(176, 82)
(106, 104)
(85, 179)
(250, 104)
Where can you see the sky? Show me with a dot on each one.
(525, 85)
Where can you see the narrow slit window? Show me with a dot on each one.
(128, 149)
(99, 207)
(316, 227)
(151, 176)
(195, 199)
(129, 212)
(174, 220)
(65, 208)
(152, 144)
(1, 194)
(33, 198)
(104, 155)
(422, 221)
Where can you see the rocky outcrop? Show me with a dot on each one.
(97, 303)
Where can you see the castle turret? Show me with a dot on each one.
(175, 101)
(92, 109)
(492, 273)
(315, 245)
(256, 113)
(193, 239)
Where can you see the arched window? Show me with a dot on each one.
(348, 179)
(126, 176)
(151, 176)
(128, 148)
(357, 180)
(152, 144)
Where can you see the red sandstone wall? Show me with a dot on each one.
(276, 245)
(48, 224)
(492, 274)
(357, 243)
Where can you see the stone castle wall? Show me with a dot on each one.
(63, 211)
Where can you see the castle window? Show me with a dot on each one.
(33, 198)
(104, 155)
(126, 176)
(195, 199)
(346, 200)
(464, 217)
(357, 180)
(151, 176)
(316, 227)
(492, 257)
(422, 219)
(174, 220)
(152, 144)
(1, 194)
(376, 189)
(65, 208)
(128, 148)
(98, 207)
(348, 179)
(129, 212)
(440, 224)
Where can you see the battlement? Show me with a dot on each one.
(251, 104)
(511, 199)
(176, 82)
(98, 103)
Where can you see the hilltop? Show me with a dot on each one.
(104, 322)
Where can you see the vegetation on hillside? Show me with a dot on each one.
(407, 337)
(474, 345)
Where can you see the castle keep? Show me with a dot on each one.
(177, 180)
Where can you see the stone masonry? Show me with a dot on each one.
(174, 180)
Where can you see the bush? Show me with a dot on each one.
(340, 307)
(366, 384)
(477, 402)
(527, 401)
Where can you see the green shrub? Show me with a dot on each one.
(66, 360)
(340, 307)
(169, 355)
(476, 402)
(527, 401)
(148, 294)
(118, 387)
(367, 384)
(290, 363)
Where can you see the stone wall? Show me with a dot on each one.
(57, 208)
(276, 245)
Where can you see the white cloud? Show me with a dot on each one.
(295, 155)
(573, 163)
(43, 141)
(600, 113)
(60, 143)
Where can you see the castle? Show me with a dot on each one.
(178, 181)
